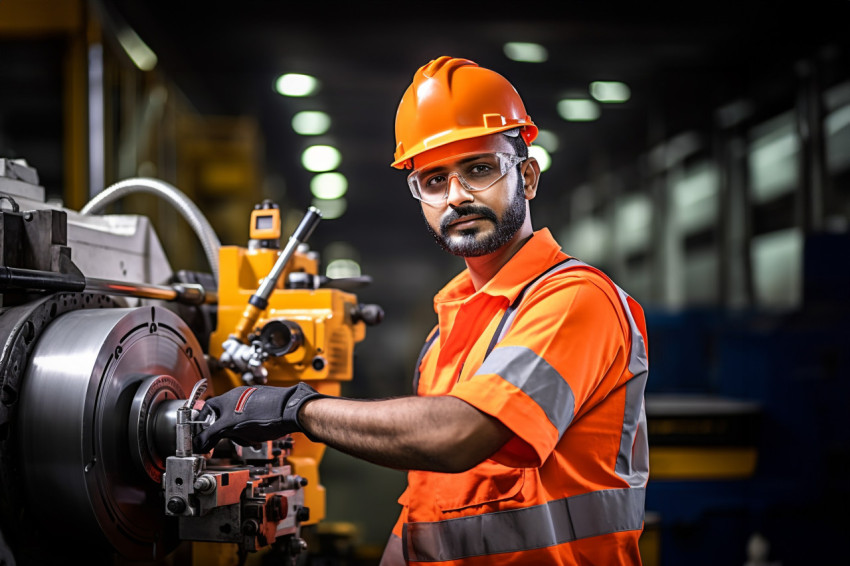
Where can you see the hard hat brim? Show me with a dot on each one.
(405, 160)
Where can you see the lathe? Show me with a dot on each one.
(107, 353)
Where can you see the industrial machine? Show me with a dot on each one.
(107, 354)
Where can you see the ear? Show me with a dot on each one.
(531, 176)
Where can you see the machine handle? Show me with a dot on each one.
(260, 300)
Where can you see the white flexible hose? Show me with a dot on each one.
(193, 215)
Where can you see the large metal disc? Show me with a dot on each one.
(80, 467)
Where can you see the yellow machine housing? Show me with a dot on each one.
(325, 357)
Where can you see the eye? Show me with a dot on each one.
(479, 169)
(434, 180)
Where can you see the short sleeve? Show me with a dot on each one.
(552, 363)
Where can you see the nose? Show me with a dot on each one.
(457, 192)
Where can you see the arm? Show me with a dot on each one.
(441, 434)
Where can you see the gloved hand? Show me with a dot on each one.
(248, 415)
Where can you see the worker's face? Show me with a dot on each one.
(475, 223)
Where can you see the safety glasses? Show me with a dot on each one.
(475, 171)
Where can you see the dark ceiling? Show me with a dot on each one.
(681, 64)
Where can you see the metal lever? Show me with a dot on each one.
(197, 391)
(184, 419)
(237, 353)
(260, 300)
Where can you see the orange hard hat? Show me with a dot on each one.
(455, 99)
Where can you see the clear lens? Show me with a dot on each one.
(476, 172)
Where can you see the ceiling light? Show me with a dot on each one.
(142, 56)
(342, 267)
(578, 109)
(311, 123)
(320, 158)
(329, 186)
(541, 155)
(610, 91)
(525, 52)
(330, 208)
(295, 84)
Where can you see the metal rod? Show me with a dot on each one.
(17, 278)
(26, 279)
(188, 293)
(305, 228)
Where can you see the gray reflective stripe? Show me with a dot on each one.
(566, 264)
(633, 459)
(393, 553)
(425, 347)
(533, 375)
(517, 530)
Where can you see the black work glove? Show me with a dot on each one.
(249, 415)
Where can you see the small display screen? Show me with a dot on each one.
(264, 222)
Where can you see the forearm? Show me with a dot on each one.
(441, 434)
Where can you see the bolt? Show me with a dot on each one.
(176, 505)
(205, 484)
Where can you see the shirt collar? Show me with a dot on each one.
(538, 253)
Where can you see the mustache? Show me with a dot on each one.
(469, 210)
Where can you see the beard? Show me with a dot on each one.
(472, 242)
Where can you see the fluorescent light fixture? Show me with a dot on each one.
(610, 91)
(320, 158)
(342, 268)
(142, 56)
(296, 84)
(525, 52)
(330, 208)
(311, 123)
(578, 109)
(542, 156)
(329, 186)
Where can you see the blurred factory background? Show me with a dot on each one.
(699, 156)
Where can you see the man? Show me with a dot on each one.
(526, 440)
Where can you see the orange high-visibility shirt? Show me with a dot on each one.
(567, 376)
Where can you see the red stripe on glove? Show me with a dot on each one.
(240, 404)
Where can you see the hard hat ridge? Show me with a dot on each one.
(444, 63)
(452, 99)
